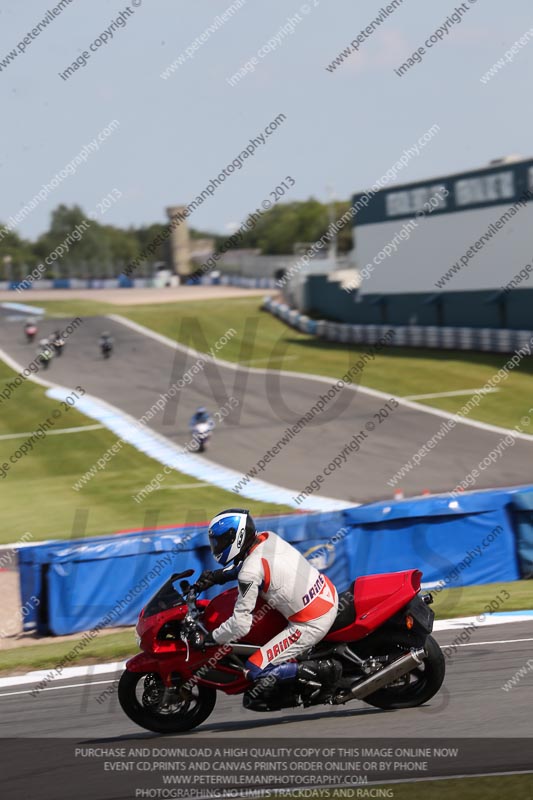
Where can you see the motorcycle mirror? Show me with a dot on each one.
(186, 574)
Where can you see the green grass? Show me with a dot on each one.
(501, 787)
(111, 647)
(265, 341)
(468, 601)
(513, 787)
(37, 493)
(74, 307)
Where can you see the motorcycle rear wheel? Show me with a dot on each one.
(142, 703)
(419, 686)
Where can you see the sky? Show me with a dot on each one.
(342, 129)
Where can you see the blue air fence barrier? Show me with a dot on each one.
(81, 583)
(15, 285)
(454, 541)
(522, 514)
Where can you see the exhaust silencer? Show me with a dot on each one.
(387, 675)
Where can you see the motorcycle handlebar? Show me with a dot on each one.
(192, 594)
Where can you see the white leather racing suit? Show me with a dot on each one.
(291, 585)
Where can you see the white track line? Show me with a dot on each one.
(26, 679)
(54, 688)
(117, 666)
(457, 393)
(473, 423)
(496, 641)
(70, 672)
(79, 429)
(498, 618)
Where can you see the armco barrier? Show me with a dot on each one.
(489, 340)
(469, 539)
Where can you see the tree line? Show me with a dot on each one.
(104, 251)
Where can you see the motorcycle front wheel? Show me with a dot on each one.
(146, 702)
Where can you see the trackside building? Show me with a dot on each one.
(468, 231)
(454, 250)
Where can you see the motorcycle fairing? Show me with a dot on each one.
(376, 599)
(267, 622)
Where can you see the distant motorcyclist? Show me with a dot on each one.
(57, 342)
(30, 329)
(200, 416)
(106, 344)
(201, 424)
(267, 564)
(45, 353)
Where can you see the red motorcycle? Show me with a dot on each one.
(379, 650)
(30, 329)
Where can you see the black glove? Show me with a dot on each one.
(210, 577)
(198, 639)
(206, 580)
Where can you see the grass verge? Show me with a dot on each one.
(38, 494)
(110, 647)
(465, 601)
(500, 787)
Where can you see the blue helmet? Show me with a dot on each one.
(231, 534)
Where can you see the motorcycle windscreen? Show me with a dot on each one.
(166, 597)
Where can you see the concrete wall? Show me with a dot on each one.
(253, 265)
(476, 309)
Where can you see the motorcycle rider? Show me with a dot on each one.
(58, 343)
(45, 353)
(267, 564)
(30, 329)
(106, 343)
(200, 415)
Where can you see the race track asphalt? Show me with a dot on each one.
(471, 703)
(142, 369)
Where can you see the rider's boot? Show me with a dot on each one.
(316, 675)
(266, 690)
